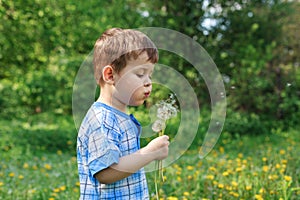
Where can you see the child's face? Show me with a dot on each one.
(133, 84)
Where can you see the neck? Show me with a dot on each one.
(106, 97)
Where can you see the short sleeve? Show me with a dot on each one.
(102, 152)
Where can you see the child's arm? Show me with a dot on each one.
(157, 149)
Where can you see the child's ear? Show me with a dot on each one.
(108, 74)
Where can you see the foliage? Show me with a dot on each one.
(40, 132)
(253, 43)
(251, 55)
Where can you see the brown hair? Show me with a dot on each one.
(116, 46)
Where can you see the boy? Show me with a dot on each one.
(110, 161)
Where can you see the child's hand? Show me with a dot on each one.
(158, 147)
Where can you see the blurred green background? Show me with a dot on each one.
(255, 45)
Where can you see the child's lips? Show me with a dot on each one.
(147, 94)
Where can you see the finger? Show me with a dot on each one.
(166, 137)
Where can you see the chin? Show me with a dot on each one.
(137, 103)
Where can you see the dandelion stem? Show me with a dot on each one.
(155, 180)
(160, 165)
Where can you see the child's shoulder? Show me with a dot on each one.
(101, 114)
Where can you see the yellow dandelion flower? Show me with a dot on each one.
(277, 166)
(11, 174)
(178, 172)
(225, 173)
(210, 177)
(51, 198)
(235, 194)
(1, 184)
(212, 169)
(62, 188)
(21, 177)
(25, 166)
(264, 159)
(189, 167)
(248, 187)
(283, 166)
(282, 152)
(221, 149)
(189, 177)
(59, 152)
(179, 179)
(287, 178)
(262, 190)
(215, 182)
(34, 167)
(77, 183)
(32, 191)
(265, 168)
(186, 194)
(47, 166)
(258, 197)
(164, 178)
(172, 198)
(220, 185)
(238, 169)
(56, 190)
(228, 188)
(284, 161)
(240, 155)
(234, 184)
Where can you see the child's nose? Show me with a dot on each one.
(147, 84)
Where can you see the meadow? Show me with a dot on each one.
(38, 161)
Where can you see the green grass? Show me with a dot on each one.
(37, 161)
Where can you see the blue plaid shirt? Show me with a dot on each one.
(105, 135)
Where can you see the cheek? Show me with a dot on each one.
(127, 87)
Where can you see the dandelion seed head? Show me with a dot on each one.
(165, 110)
(158, 125)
